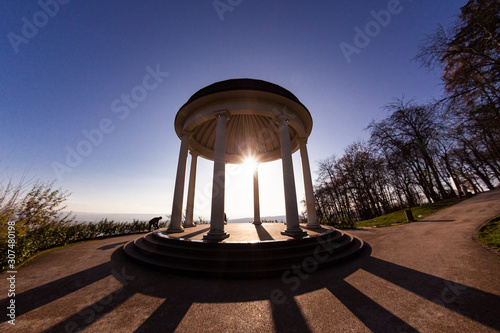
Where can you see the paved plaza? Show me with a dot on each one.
(428, 276)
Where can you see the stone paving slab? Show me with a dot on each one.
(428, 276)
(245, 232)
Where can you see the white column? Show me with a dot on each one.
(312, 219)
(292, 213)
(217, 232)
(176, 219)
(256, 204)
(191, 189)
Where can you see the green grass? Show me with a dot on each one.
(490, 234)
(399, 217)
(30, 259)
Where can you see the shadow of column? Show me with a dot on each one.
(287, 317)
(166, 317)
(92, 313)
(262, 233)
(192, 234)
(473, 303)
(180, 292)
(377, 318)
(42, 295)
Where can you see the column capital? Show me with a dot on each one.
(280, 118)
(303, 140)
(222, 113)
(194, 153)
(187, 133)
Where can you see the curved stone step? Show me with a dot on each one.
(243, 259)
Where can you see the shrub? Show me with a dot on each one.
(34, 217)
(39, 224)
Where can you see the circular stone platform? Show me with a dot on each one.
(251, 251)
(236, 120)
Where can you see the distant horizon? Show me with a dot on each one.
(129, 217)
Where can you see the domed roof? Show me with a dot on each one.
(252, 108)
(244, 84)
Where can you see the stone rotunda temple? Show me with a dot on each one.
(228, 122)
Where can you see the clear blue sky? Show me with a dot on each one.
(61, 72)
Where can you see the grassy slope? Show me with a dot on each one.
(490, 234)
(400, 218)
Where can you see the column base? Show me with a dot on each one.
(314, 226)
(174, 230)
(257, 223)
(294, 233)
(216, 236)
(189, 225)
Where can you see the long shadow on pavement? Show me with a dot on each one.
(189, 235)
(372, 314)
(476, 304)
(180, 292)
(262, 233)
(94, 312)
(42, 295)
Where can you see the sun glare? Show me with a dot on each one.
(250, 164)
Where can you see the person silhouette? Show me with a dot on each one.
(154, 222)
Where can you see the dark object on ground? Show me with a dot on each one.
(409, 215)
